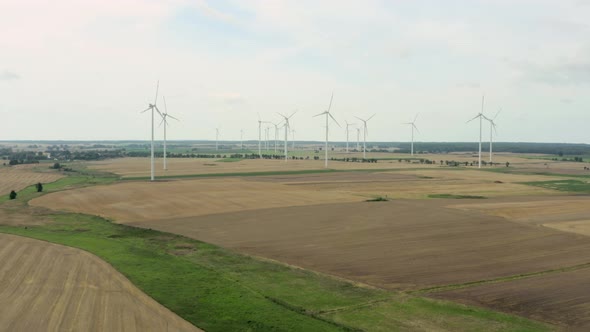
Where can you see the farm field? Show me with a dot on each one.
(21, 176)
(561, 298)
(45, 286)
(385, 244)
(323, 222)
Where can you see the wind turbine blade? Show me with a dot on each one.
(292, 114)
(359, 118)
(415, 127)
(334, 120)
(494, 118)
(165, 107)
(371, 116)
(416, 117)
(330, 106)
(157, 110)
(366, 130)
(170, 116)
(320, 114)
(157, 88)
(475, 117)
(145, 110)
(163, 119)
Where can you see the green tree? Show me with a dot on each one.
(39, 187)
(12, 194)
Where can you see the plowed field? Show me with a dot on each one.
(47, 287)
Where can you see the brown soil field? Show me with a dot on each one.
(558, 298)
(567, 213)
(400, 244)
(48, 287)
(21, 176)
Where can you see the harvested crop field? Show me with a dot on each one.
(558, 298)
(21, 176)
(388, 244)
(48, 287)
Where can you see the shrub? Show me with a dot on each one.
(12, 194)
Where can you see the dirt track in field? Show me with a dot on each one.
(559, 298)
(21, 176)
(48, 287)
(400, 244)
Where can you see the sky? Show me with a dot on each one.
(84, 70)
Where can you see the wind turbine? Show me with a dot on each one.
(276, 134)
(365, 134)
(153, 107)
(165, 115)
(260, 122)
(347, 126)
(328, 115)
(493, 128)
(241, 139)
(413, 124)
(216, 138)
(481, 117)
(287, 127)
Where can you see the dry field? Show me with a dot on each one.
(388, 244)
(47, 287)
(568, 213)
(560, 298)
(21, 176)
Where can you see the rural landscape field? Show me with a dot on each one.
(394, 245)
(359, 165)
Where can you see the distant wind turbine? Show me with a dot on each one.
(287, 127)
(328, 115)
(276, 134)
(493, 128)
(153, 107)
(216, 138)
(347, 126)
(165, 117)
(365, 130)
(413, 125)
(260, 122)
(481, 117)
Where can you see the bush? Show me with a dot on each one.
(12, 194)
(56, 166)
(39, 187)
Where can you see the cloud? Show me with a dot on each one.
(8, 76)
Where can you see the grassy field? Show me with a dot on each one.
(573, 186)
(453, 196)
(219, 290)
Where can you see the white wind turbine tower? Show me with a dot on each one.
(260, 122)
(165, 115)
(216, 138)
(153, 107)
(493, 128)
(287, 127)
(266, 135)
(413, 125)
(276, 134)
(328, 115)
(481, 117)
(241, 139)
(365, 130)
(347, 126)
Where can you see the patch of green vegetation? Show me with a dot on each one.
(574, 186)
(422, 314)
(184, 176)
(512, 170)
(228, 160)
(453, 196)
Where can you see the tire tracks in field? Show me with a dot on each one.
(444, 288)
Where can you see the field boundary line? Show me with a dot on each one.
(444, 288)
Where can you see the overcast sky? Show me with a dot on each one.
(85, 69)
